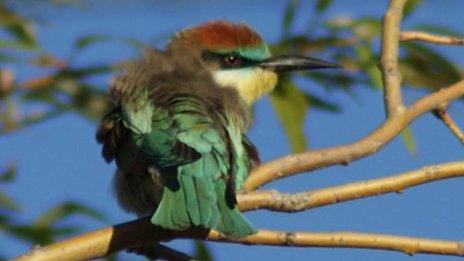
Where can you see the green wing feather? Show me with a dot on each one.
(202, 162)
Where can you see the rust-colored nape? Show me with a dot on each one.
(220, 34)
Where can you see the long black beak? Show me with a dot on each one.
(286, 63)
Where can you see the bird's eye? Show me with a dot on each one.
(232, 60)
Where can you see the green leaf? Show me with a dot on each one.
(318, 103)
(87, 71)
(91, 102)
(21, 29)
(289, 16)
(4, 219)
(332, 81)
(426, 68)
(24, 33)
(410, 6)
(408, 139)
(368, 62)
(7, 203)
(322, 5)
(338, 23)
(87, 40)
(13, 44)
(322, 43)
(39, 235)
(9, 173)
(202, 251)
(291, 105)
(64, 210)
(9, 58)
(46, 59)
(436, 29)
(367, 27)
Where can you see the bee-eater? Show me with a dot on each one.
(177, 132)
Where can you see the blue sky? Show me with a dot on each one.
(60, 160)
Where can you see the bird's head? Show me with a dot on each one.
(237, 57)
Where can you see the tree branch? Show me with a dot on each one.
(101, 242)
(430, 38)
(398, 116)
(347, 239)
(391, 76)
(288, 202)
(443, 115)
(137, 233)
(343, 154)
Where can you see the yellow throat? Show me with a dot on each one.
(251, 83)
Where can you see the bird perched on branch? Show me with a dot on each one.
(177, 132)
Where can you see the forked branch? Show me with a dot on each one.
(288, 202)
(443, 115)
(343, 154)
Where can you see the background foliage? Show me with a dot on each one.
(62, 87)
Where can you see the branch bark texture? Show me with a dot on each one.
(391, 76)
(288, 202)
(431, 38)
(98, 243)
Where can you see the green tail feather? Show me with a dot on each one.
(231, 222)
(194, 201)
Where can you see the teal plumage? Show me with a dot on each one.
(177, 132)
(179, 144)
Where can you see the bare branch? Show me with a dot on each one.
(398, 116)
(343, 154)
(140, 232)
(391, 75)
(430, 38)
(346, 239)
(101, 242)
(443, 115)
(287, 202)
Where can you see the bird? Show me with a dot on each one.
(177, 131)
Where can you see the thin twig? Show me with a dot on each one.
(443, 115)
(288, 202)
(430, 38)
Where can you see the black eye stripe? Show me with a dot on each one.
(224, 59)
